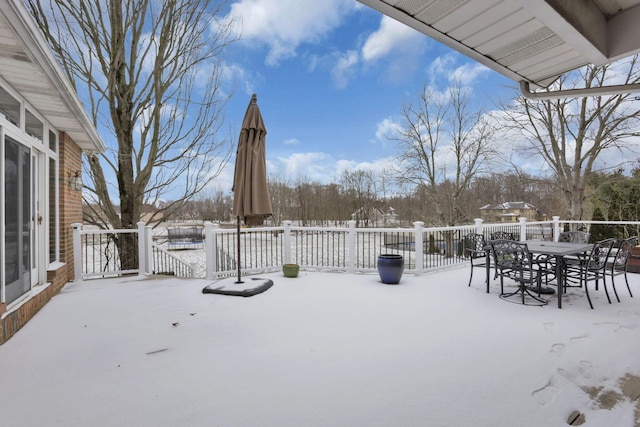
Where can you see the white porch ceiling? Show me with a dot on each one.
(532, 41)
(28, 65)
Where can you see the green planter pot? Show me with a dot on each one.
(290, 270)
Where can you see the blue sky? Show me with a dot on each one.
(331, 78)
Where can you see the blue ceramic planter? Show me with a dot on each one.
(390, 268)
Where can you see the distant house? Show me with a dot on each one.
(371, 216)
(44, 130)
(508, 212)
(150, 212)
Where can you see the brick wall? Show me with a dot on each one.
(70, 200)
(70, 157)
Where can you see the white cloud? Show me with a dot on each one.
(291, 141)
(231, 74)
(344, 69)
(321, 167)
(446, 68)
(316, 166)
(386, 129)
(390, 37)
(283, 25)
(468, 73)
(399, 46)
(377, 166)
(442, 65)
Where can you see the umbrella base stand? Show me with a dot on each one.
(253, 286)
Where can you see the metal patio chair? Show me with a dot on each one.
(592, 268)
(620, 261)
(475, 248)
(572, 237)
(500, 235)
(514, 261)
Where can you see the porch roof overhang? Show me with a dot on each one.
(28, 65)
(532, 42)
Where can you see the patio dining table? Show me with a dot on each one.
(559, 250)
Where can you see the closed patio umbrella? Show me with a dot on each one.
(250, 193)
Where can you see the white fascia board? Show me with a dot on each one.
(25, 30)
(623, 34)
(585, 30)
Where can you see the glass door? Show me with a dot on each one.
(18, 223)
(37, 226)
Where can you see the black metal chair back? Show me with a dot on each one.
(474, 245)
(502, 235)
(599, 255)
(508, 254)
(624, 252)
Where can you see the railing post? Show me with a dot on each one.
(523, 228)
(351, 253)
(287, 242)
(142, 249)
(211, 248)
(556, 227)
(479, 227)
(419, 247)
(148, 240)
(77, 251)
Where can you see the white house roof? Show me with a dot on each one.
(529, 41)
(509, 206)
(28, 65)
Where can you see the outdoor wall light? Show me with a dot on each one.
(75, 181)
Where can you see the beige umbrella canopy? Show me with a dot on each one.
(250, 193)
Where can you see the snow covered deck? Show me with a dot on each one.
(323, 349)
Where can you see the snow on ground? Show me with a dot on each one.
(323, 349)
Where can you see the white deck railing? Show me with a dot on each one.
(349, 249)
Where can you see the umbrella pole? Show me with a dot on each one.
(238, 246)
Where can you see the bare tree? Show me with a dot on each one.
(212, 204)
(359, 188)
(150, 72)
(571, 134)
(281, 196)
(302, 199)
(511, 186)
(444, 144)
